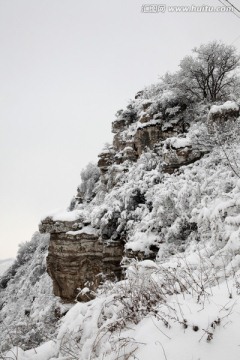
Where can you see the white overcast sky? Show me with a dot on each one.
(66, 67)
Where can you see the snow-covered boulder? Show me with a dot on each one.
(219, 114)
(179, 152)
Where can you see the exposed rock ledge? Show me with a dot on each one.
(78, 259)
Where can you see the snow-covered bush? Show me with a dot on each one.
(24, 288)
(89, 177)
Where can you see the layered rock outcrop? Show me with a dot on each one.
(135, 133)
(79, 259)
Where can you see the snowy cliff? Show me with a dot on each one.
(150, 245)
(139, 202)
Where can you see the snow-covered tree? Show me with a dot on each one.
(210, 73)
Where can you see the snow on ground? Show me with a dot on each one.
(186, 325)
(5, 264)
(211, 330)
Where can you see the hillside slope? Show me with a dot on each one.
(158, 219)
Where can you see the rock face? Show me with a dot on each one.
(154, 132)
(179, 154)
(118, 125)
(106, 159)
(79, 259)
(72, 261)
(147, 134)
